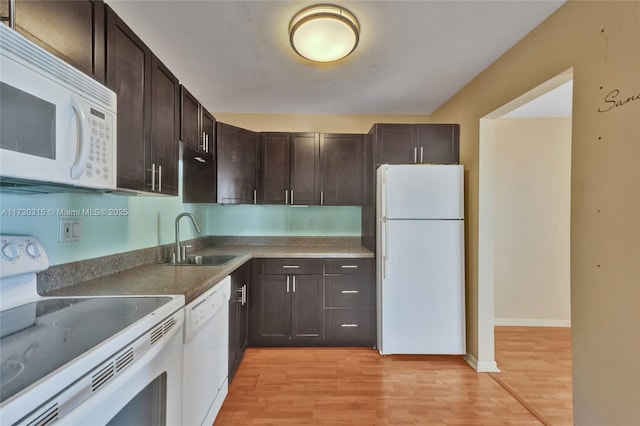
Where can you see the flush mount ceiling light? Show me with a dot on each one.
(324, 33)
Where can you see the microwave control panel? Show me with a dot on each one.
(100, 165)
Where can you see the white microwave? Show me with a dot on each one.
(57, 125)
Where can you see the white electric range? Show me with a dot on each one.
(84, 360)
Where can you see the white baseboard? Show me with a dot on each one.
(531, 322)
(481, 366)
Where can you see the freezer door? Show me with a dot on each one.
(421, 191)
(421, 287)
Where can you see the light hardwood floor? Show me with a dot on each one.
(535, 365)
(356, 386)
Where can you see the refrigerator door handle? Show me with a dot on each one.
(385, 248)
(383, 202)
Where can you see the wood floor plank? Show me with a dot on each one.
(357, 386)
(535, 362)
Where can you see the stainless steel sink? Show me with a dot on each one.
(210, 260)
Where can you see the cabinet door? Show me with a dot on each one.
(208, 130)
(165, 119)
(341, 165)
(273, 185)
(189, 119)
(238, 318)
(271, 308)
(237, 152)
(306, 309)
(128, 68)
(198, 176)
(72, 30)
(396, 144)
(438, 143)
(305, 164)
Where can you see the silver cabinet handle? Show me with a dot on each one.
(153, 176)
(292, 196)
(321, 198)
(241, 298)
(287, 283)
(12, 14)
(348, 325)
(415, 154)
(255, 196)
(291, 266)
(294, 284)
(349, 292)
(349, 266)
(160, 178)
(286, 196)
(422, 154)
(244, 294)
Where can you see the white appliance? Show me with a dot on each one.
(206, 354)
(58, 124)
(84, 360)
(420, 259)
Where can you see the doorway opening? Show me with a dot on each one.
(524, 247)
(514, 171)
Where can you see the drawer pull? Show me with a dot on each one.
(349, 292)
(290, 266)
(349, 266)
(348, 325)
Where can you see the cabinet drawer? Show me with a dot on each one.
(352, 327)
(292, 266)
(350, 266)
(349, 291)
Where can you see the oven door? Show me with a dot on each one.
(128, 389)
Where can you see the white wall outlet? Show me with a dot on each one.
(70, 230)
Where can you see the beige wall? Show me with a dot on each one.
(601, 41)
(532, 170)
(324, 123)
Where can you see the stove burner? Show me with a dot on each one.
(10, 369)
(104, 315)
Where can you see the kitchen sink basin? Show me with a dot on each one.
(211, 260)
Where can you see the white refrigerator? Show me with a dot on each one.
(420, 259)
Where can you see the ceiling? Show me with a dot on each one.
(234, 56)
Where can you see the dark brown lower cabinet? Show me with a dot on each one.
(349, 302)
(288, 311)
(313, 302)
(238, 317)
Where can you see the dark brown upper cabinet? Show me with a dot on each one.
(237, 156)
(274, 182)
(72, 30)
(197, 125)
(416, 143)
(305, 169)
(148, 111)
(311, 168)
(289, 168)
(198, 175)
(341, 166)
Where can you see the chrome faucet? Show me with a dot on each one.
(179, 257)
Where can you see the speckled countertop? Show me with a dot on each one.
(191, 281)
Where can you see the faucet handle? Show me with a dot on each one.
(183, 251)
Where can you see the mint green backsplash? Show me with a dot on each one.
(149, 221)
(250, 220)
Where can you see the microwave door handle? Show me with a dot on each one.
(84, 139)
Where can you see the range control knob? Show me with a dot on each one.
(33, 250)
(10, 251)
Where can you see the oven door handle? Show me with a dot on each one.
(84, 139)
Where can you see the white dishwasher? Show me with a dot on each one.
(205, 356)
